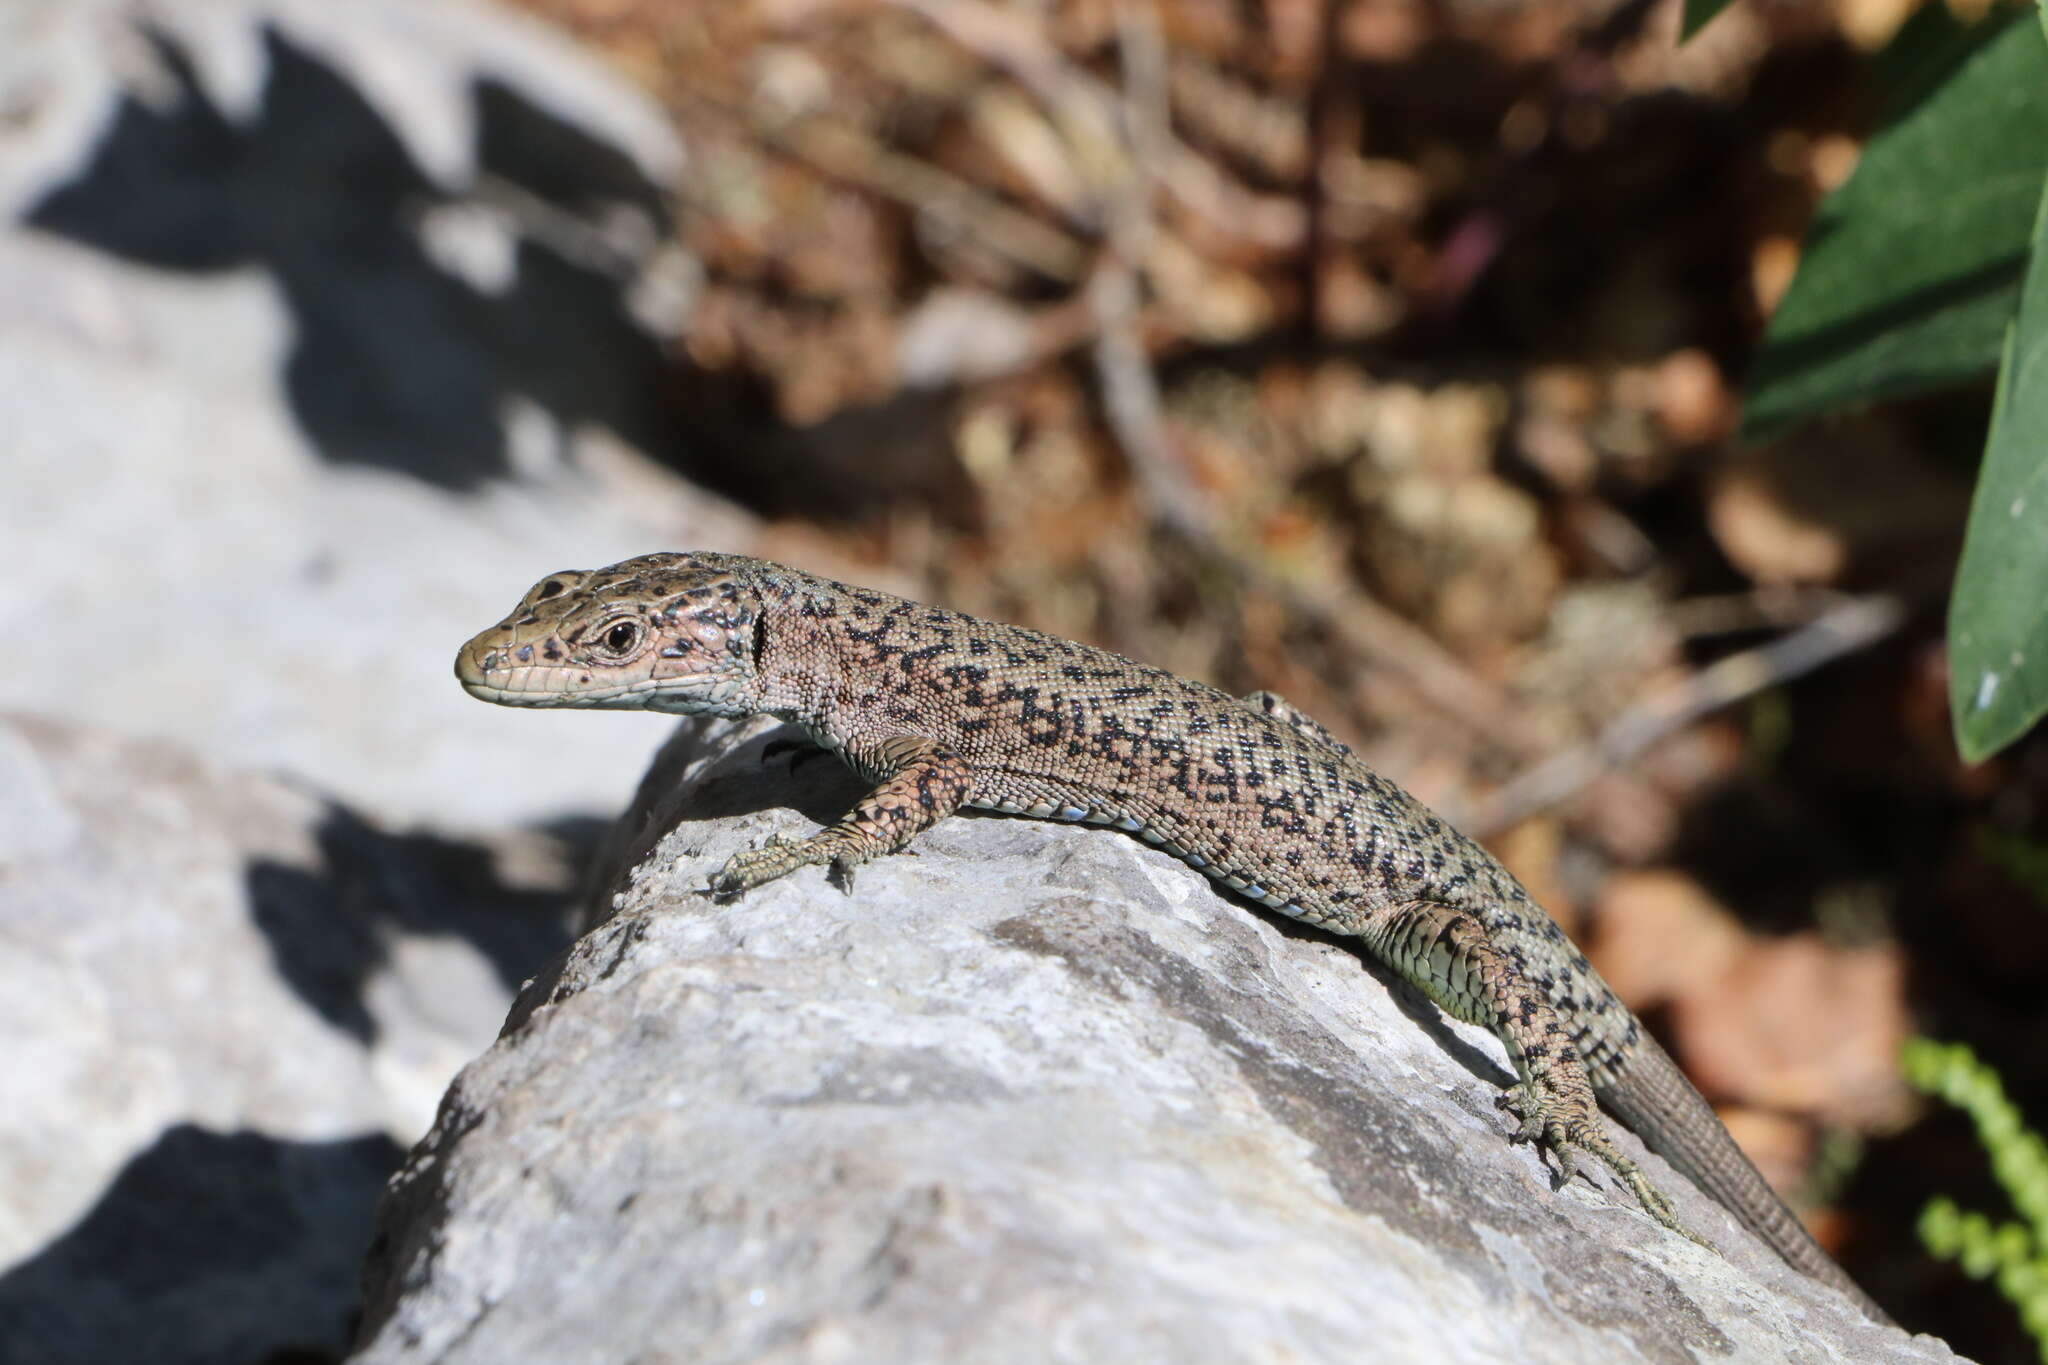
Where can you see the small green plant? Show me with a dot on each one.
(2013, 1253)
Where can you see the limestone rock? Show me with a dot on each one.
(229, 1005)
(1036, 1093)
(325, 329)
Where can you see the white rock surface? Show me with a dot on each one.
(229, 1006)
(1036, 1094)
(316, 348)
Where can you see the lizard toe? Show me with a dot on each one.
(777, 857)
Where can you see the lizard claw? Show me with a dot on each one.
(1544, 1123)
(1567, 1167)
(1549, 1138)
(744, 871)
(1525, 1111)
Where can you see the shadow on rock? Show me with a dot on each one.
(330, 928)
(207, 1247)
(396, 362)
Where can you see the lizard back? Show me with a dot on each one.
(1055, 729)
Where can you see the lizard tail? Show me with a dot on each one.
(1654, 1098)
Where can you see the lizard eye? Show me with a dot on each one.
(622, 637)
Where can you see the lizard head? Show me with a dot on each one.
(666, 632)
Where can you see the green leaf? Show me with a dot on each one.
(1911, 270)
(1998, 616)
(1697, 13)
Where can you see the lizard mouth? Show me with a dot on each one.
(492, 670)
(521, 686)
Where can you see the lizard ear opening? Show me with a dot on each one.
(760, 634)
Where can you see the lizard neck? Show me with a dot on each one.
(798, 665)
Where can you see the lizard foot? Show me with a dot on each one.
(1563, 1129)
(778, 857)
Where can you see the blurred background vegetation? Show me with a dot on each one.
(1390, 354)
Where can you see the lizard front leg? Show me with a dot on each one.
(1447, 953)
(921, 783)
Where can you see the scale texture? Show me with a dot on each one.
(939, 710)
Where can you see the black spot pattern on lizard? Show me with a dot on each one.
(941, 710)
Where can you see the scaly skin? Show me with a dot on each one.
(939, 711)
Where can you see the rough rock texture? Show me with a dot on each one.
(229, 1004)
(324, 328)
(1038, 1093)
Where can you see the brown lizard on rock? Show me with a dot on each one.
(940, 711)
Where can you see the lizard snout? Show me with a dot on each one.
(484, 660)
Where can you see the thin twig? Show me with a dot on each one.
(1849, 626)
(1086, 109)
(846, 153)
(1130, 390)
(1132, 406)
(1772, 607)
(1378, 633)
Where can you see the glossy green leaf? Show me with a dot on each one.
(1912, 269)
(1697, 13)
(1998, 616)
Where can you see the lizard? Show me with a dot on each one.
(940, 711)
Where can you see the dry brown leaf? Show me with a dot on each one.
(1856, 493)
(1767, 538)
(1382, 30)
(1658, 935)
(1693, 400)
(1771, 267)
(1780, 1145)
(1804, 1027)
